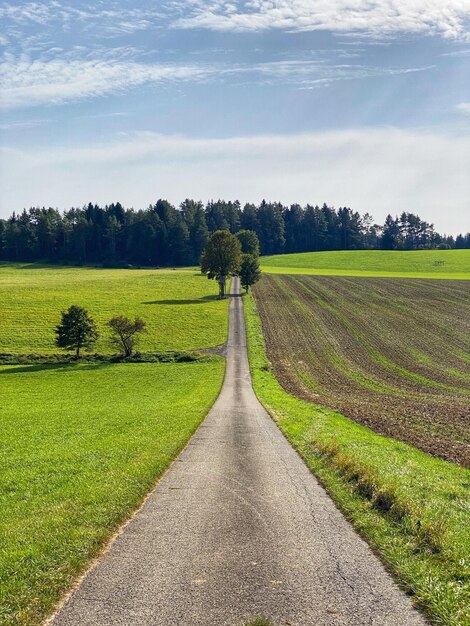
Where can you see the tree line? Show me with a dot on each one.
(165, 235)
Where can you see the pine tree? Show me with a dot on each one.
(76, 330)
(250, 272)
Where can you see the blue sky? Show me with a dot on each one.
(356, 103)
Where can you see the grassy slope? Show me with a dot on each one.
(173, 303)
(81, 444)
(80, 447)
(407, 264)
(413, 508)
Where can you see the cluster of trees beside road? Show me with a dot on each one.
(163, 235)
(77, 330)
(237, 255)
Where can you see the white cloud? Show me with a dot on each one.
(464, 107)
(48, 19)
(21, 124)
(28, 83)
(44, 13)
(380, 171)
(448, 18)
(37, 12)
(458, 54)
(56, 80)
(307, 73)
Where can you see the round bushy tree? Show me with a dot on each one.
(76, 330)
(125, 333)
(249, 242)
(221, 257)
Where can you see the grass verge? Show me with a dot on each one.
(412, 508)
(81, 446)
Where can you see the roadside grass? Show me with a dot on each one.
(393, 263)
(180, 307)
(413, 509)
(385, 352)
(80, 447)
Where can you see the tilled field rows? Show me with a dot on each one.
(390, 353)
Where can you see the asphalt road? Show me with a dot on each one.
(238, 528)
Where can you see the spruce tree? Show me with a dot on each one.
(250, 272)
(76, 330)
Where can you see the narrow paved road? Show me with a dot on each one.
(238, 528)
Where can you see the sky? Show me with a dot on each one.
(358, 103)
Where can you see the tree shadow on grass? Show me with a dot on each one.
(40, 367)
(203, 300)
(44, 266)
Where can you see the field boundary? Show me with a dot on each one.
(414, 518)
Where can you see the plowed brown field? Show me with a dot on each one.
(392, 354)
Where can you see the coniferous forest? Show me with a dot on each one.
(163, 235)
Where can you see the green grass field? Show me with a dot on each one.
(180, 307)
(407, 264)
(412, 508)
(81, 444)
(80, 447)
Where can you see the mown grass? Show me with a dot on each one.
(80, 447)
(413, 509)
(394, 263)
(180, 307)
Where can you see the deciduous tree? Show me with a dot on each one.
(221, 257)
(125, 332)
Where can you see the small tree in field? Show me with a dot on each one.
(125, 333)
(221, 257)
(76, 330)
(250, 272)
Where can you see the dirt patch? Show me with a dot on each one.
(218, 350)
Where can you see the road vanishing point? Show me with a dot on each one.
(238, 528)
